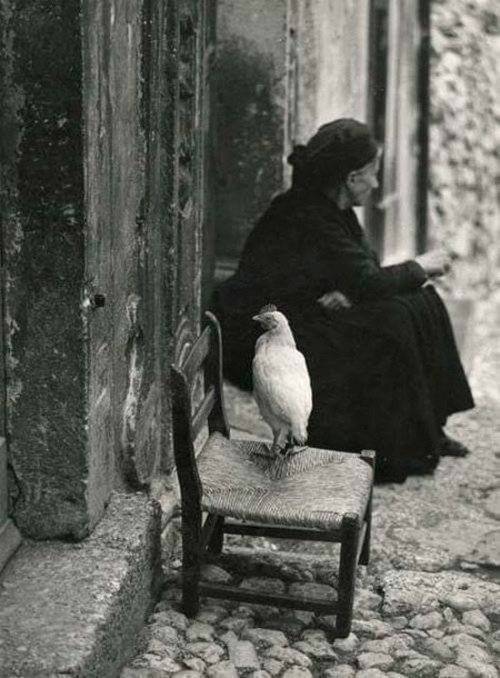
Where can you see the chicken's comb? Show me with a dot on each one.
(268, 308)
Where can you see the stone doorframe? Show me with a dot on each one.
(9, 534)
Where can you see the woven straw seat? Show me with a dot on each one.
(311, 488)
(312, 494)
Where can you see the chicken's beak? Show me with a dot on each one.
(257, 318)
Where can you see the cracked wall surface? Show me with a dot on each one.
(103, 122)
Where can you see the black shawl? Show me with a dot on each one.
(385, 373)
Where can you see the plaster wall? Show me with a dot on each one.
(402, 154)
(250, 114)
(283, 69)
(332, 57)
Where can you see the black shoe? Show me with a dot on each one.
(419, 467)
(452, 448)
(389, 471)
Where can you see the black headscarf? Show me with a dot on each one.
(337, 148)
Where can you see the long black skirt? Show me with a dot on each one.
(385, 374)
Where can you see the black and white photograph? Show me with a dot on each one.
(250, 338)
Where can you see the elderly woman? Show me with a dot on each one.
(379, 346)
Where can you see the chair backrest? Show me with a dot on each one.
(188, 421)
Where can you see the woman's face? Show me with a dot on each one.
(362, 182)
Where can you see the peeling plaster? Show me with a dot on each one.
(14, 387)
(13, 245)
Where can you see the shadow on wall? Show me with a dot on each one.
(249, 141)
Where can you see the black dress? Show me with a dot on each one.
(385, 373)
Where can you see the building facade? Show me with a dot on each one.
(140, 141)
(312, 63)
(104, 119)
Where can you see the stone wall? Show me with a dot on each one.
(43, 239)
(464, 201)
(78, 355)
(102, 131)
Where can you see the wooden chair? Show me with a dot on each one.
(314, 494)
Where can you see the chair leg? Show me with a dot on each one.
(347, 574)
(191, 565)
(364, 556)
(216, 540)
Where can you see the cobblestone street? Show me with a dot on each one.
(338, 161)
(428, 605)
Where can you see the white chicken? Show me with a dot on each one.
(281, 383)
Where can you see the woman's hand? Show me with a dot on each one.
(435, 262)
(334, 301)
